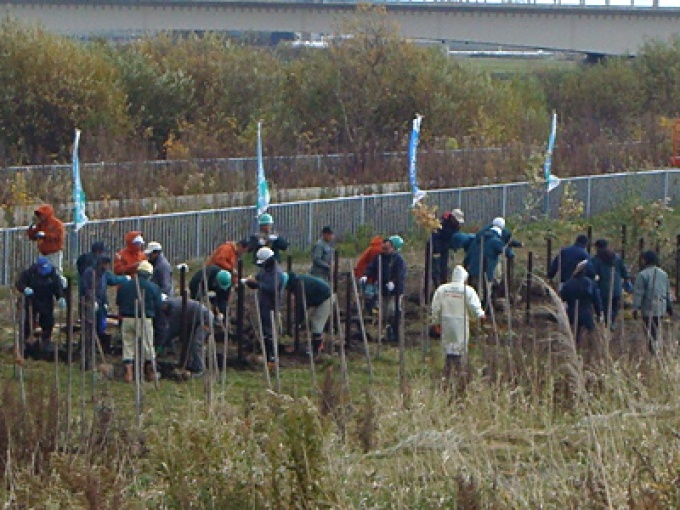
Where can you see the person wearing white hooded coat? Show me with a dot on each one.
(452, 305)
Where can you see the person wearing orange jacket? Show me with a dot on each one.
(368, 288)
(128, 258)
(226, 255)
(48, 233)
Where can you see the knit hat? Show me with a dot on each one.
(582, 240)
(498, 222)
(397, 242)
(601, 244)
(459, 215)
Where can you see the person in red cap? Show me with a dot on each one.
(48, 233)
(127, 260)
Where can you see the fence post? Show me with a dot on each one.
(362, 215)
(588, 197)
(310, 216)
(548, 249)
(623, 242)
(677, 268)
(530, 269)
(665, 185)
(348, 310)
(289, 299)
(5, 257)
(504, 200)
(240, 310)
(198, 236)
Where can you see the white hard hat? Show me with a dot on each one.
(263, 254)
(152, 247)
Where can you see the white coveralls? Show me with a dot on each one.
(451, 304)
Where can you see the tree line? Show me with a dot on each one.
(200, 96)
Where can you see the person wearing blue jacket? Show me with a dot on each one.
(94, 299)
(496, 241)
(389, 268)
(611, 275)
(583, 298)
(568, 258)
(269, 282)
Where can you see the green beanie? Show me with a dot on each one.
(266, 219)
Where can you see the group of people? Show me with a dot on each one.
(593, 288)
(151, 317)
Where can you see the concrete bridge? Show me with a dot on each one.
(599, 30)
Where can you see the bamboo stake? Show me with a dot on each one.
(402, 347)
(343, 358)
(310, 349)
(137, 366)
(364, 337)
(225, 326)
(380, 305)
(262, 346)
(19, 349)
(275, 343)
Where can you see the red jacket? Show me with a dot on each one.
(128, 258)
(53, 241)
(225, 256)
(367, 256)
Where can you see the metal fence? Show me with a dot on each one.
(190, 235)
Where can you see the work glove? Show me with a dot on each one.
(212, 294)
(262, 241)
(64, 282)
(164, 296)
(390, 286)
(273, 237)
(96, 306)
(40, 235)
(628, 287)
(128, 277)
(28, 292)
(363, 280)
(601, 317)
(636, 314)
(62, 303)
(182, 267)
(435, 331)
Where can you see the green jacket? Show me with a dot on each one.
(322, 258)
(652, 292)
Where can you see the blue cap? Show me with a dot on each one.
(43, 265)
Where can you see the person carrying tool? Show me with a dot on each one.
(269, 283)
(318, 298)
(199, 319)
(389, 268)
(368, 286)
(214, 284)
(41, 286)
(583, 298)
(139, 301)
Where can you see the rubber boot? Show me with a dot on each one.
(269, 348)
(317, 344)
(129, 375)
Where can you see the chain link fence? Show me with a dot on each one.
(195, 234)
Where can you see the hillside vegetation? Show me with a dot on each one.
(200, 96)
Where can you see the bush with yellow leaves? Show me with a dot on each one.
(426, 217)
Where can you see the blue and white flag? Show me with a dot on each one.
(418, 195)
(79, 217)
(552, 181)
(262, 187)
